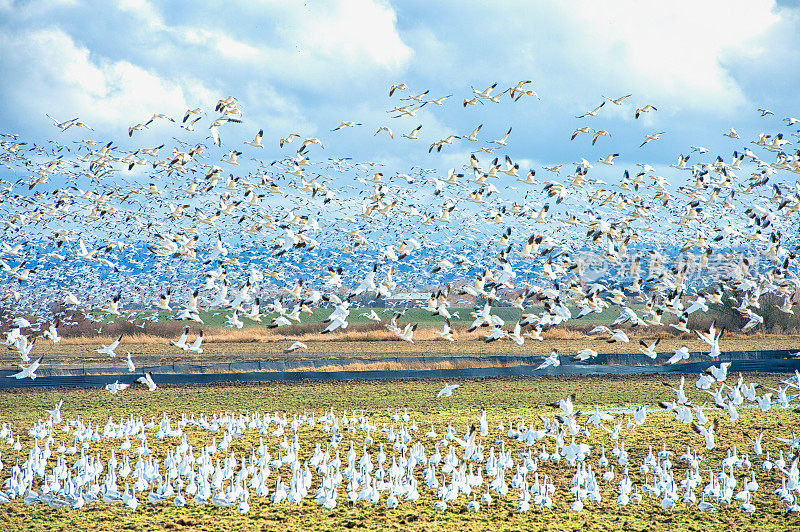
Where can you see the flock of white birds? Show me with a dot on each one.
(71, 463)
(96, 231)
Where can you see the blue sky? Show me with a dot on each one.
(304, 68)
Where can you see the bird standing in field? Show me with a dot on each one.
(129, 363)
(116, 387)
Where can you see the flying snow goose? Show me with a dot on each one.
(448, 389)
(109, 349)
(28, 371)
(147, 380)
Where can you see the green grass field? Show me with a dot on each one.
(506, 401)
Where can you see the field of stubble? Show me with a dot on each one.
(507, 401)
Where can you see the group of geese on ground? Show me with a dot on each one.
(553, 462)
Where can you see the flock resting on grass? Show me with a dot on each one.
(553, 459)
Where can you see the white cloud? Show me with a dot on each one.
(33, 8)
(677, 50)
(671, 52)
(305, 67)
(353, 30)
(217, 42)
(66, 70)
(143, 10)
(234, 49)
(276, 112)
(321, 45)
(675, 53)
(57, 76)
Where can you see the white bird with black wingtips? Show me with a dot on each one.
(147, 380)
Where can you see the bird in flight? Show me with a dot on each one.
(617, 101)
(651, 138)
(646, 109)
(394, 88)
(447, 391)
(28, 371)
(593, 112)
(147, 380)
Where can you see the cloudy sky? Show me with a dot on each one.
(306, 67)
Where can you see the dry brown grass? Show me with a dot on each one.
(147, 350)
(558, 333)
(367, 333)
(105, 339)
(379, 365)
